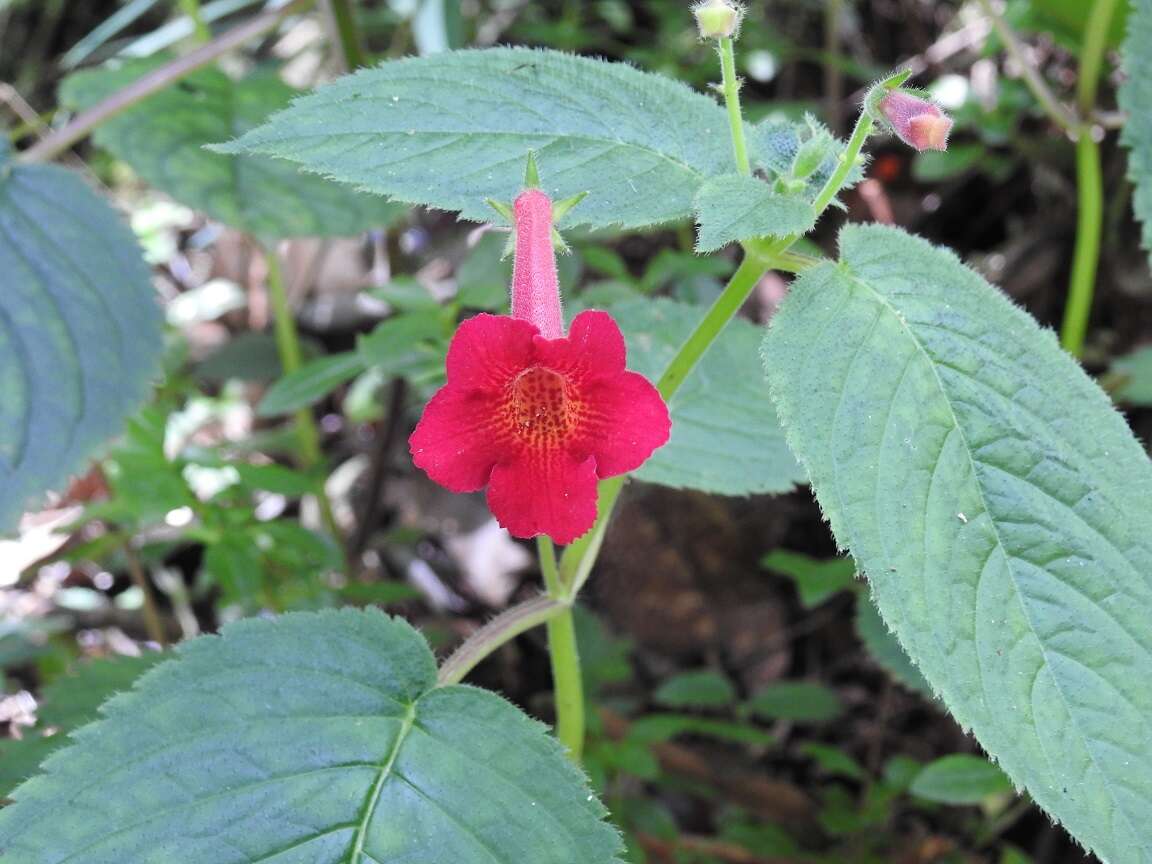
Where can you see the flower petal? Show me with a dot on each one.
(594, 348)
(626, 422)
(488, 351)
(456, 441)
(545, 493)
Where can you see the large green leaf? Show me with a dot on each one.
(79, 329)
(725, 435)
(309, 739)
(453, 129)
(1135, 97)
(1000, 508)
(164, 137)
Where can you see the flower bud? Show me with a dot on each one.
(916, 121)
(717, 19)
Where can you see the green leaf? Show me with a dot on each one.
(310, 383)
(725, 435)
(960, 779)
(702, 688)
(885, 649)
(999, 507)
(275, 478)
(815, 580)
(80, 330)
(234, 563)
(799, 156)
(1135, 98)
(654, 728)
(164, 137)
(833, 761)
(735, 207)
(66, 704)
(454, 129)
(799, 701)
(308, 738)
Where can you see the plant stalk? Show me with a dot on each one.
(291, 358)
(732, 101)
(140, 89)
(342, 21)
(567, 682)
(500, 630)
(153, 623)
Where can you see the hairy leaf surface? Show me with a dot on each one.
(310, 739)
(79, 329)
(725, 435)
(164, 137)
(735, 207)
(1001, 509)
(453, 129)
(1135, 97)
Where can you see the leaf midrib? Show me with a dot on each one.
(377, 789)
(904, 326)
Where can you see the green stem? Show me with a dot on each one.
(191, 8)
(502, 629)
(1090, 214)
(1089, 183)
(1092, 55)
(565, 655)
(343, 19)
(291, 359)
(732, 100)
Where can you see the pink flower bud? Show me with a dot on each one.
(917, 122)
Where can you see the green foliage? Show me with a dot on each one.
(1067, 20)
(310, 383)
(454, 129)
(725, 435)
(799, 701)
(702, 688)
(1135, 97)
(885, 650)
(314, 737)
(80, 331)
(815, 580)
(67, 704)
(999, 507)
(960, 779)
(801, 157)
(164, 137)
(734, 207)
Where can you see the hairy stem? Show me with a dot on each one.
(500, 630)
(732, 101)
(565, 655)
(342, 22)
(140, 89)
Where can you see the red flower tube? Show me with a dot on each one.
(536, 416)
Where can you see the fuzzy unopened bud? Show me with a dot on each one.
(717, 19)
(916, 121)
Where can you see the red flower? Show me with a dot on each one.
(536, 416)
